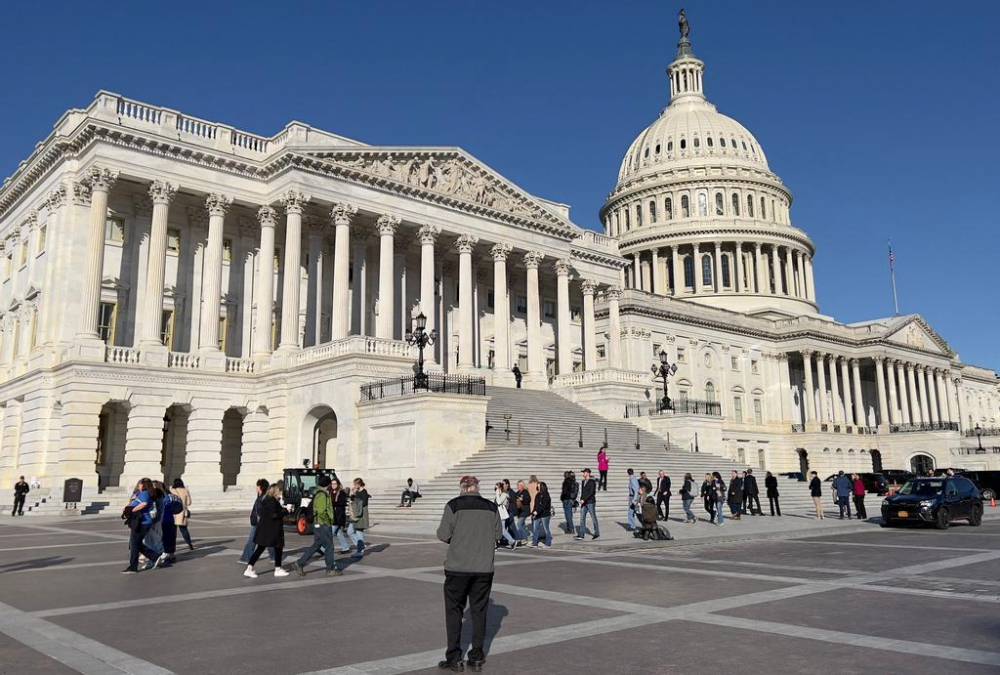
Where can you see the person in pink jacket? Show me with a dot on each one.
(602, 467)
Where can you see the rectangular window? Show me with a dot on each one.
(758, 412)
(574, 313)
(522, 304)
(549, 308)
(114, 229)
(754, 368)
(734, 362)
(167, 328)
(522, 362)
(681, 355)
(601, 351)
(174, 241)
(42, 235)
(489, 301)
(277, 260)
(656, 351)
(227, 250)
(737, 408)
(106, 322)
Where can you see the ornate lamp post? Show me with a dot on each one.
(419, 337)
(979, 437)
(664, 370)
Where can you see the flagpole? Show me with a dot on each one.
(892, 276)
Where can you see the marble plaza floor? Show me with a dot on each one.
(843, 598)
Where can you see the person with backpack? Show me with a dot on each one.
(138, 515)
(540, 517)
(588, 504)
(184, 495)
(502, 500)
(322, 507)
(843, 488)
(687, 498)
(154, 538)
(358, 517)
(719, 492)
(567, 495)
(172, 506)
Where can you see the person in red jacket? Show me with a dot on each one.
(859, 497)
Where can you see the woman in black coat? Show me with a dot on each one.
(708, 496)
(270, 531)
(771, 485)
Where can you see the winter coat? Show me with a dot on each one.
(339, 508)
(543, 505)
(270, 528)
(602, 461)
(359, 509)
(736, 491)
(859, 488)
(569, 490)
(815, 487)
(181, 519)
(750, 485)
(771, 485)
(843, 486)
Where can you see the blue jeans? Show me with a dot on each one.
(590, 508)
(686, 504)
(249, 547)
(541, 527)
(522, 533)
(322, 539)
(568, 514)
(136, 547)
(357, 535)
(340, 533)
(630, 518)
(719, 517)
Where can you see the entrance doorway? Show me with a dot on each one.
(876, 461)
(232, 446)
(921, 464)
(173, 451)
(110, 457)
(803, 462)
(319, 437)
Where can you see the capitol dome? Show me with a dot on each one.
(699, 213)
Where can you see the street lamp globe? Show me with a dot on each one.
(421, 322)
(663, 357)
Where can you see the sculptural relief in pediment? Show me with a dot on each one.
(914, 336)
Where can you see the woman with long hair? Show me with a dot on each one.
(708, 496)
(686, 498)
(720, 497)
(359, 517)
(339, 499)
(184, 495)
(270, 531)
(541, 514)
(501, 499)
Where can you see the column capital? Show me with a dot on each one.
(81, 193)
(218, 204)
(387, 224)
(57, 197)
(879, 359)
(465, 243)
(909, 366)
(342, 213)
(781, 356)
(806, 353)
(613, 293)
(294, 201)
(854, 362)
(500, 252)
(162, 192)
(267, 216)
(428, 234)
(588, 286)
(562, 267)
(100, 179)
(532, 259)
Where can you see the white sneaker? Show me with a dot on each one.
(159, 561)
(249, 573)
(280, 572)
(541, 545)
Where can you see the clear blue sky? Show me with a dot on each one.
(880, 116)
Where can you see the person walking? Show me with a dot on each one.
(511, 512)
(771, 486)
(603, 463)
(270, 532)
(154, 538)
(172, 507)
(359, 520)
(686, 498)
(708, 496)
(843, 488)
(633, 499)
(522, 506)
(816, 491)
(322, 507)
(248, 548)
(21, 490)
(588, 505)
(470, 525)
(719, 492)
(859, 497)
(139, 518)
(410, 494)
(541, 515)
(338, 497)
(663, 496)
(501, 499)
(735, 495)
(567, 495)
(517, 375)
(751, 494)
(181, 519)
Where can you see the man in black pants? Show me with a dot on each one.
(663, 496)
(470, 525)
(751, 494)
(20, 491)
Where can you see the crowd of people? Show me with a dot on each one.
(155, 515)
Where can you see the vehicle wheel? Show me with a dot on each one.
(988, 494)
(943, 519)
(302, 525)
(884, 523)
(976, 519)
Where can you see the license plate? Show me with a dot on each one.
(903, 514)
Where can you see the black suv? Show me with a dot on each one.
(987, 481)
(934, 500)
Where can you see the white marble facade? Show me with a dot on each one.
(182, 298)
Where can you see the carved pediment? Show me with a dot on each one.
(449, 176)
(915, 334)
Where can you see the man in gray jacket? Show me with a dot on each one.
(471, 527)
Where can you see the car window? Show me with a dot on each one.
(951, 489)
(922, 487)
(967, 487)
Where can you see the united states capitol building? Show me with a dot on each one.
(183, 298)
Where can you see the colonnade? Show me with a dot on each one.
(714, 267)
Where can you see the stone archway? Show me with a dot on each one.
(876, 461)
(232, 445)
(173, 450)
(319, 436)
(109, 460)
(921, 464)
(803, 462)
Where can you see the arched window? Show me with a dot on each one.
(719, 204)
(726, 281)
(706, 269)
(703, 204)
(763, 212)
(628, 222)
(697, 142)
(638, 215)
(668, 208)
(657, 148)
(722, 142)
(685, 207)
(688, 271)
(733, 141)
(670, 146)
(736, 204)
(652, 211)
(646, 153)
(683, 143)
(709, 392)
(749, 206)
(744, 146)
(709, 140)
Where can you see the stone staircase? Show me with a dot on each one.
(113, 499)
(544, 437)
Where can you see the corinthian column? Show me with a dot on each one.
(341, 214)
(614, 329)
(891, 386)
(587, 287)
(696, 267)
(821, 373)
(837, 415)
(789, 285)
(808, 394)
(845, 376)
(100, 181)
(776, 274)
(465, 243)
(217, 206)
(428, 236)
(501, 310)
(810, 279)
(859, 402)
(564, 345)
(904, 404)
(883, 405)
(911, 388)
(387, 226)
(738, 257)
(942, 395)
(536, 360)
(161, 193)
(932, 399)
(294, 202)
(262, 342)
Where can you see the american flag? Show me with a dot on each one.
(892, 258)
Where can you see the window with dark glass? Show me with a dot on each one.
(706, 269)
(736, 204)
(719, 204)
(685, 207)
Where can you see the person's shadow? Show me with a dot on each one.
(495, 615)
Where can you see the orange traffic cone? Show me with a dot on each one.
(993, 502)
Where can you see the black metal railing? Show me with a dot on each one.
(394, 387)
(926, 426)
(991, 431)
(976, 451)
(683, 406)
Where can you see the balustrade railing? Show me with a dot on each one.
(118, 354)
(355, 344)
(991, 431)
(249, 141)
(235, 364)
(395, 387)
(138, 111)
(995, 450)
(601, 375)
(196, 127)
(183, 360)
(926, 426)
(683, 406)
